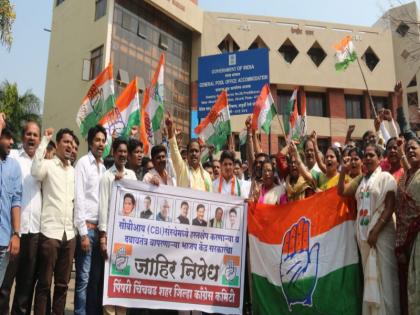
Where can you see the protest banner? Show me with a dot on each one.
(175, 248)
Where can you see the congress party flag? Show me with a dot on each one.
(152, 107)
(288, 113)
(345, 53)
(124, 116)
(215, 128)
(98, 101)
(304, 257)
(264, 110)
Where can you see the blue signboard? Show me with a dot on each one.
(241, 73)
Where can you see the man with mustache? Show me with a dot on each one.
(116, 172)
(190, 173)
(159, 174)
(88, 172)
(24, 266)
(57, 241)
(10, 199)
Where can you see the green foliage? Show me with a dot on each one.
(7, 18)
(18, 108)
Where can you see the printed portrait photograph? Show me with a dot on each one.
(183, 212)
(164, 212)
(233, 217)
(217, 217)
(129, 205)
(146, 207)
(200, 214)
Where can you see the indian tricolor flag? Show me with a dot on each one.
(264, 110)
(345, 53)
(124, 116)
(304, 257)
(215, 128)
(152, 107)
(98, 101)
(290, 113)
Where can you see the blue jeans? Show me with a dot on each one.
(88, 293)
(4, 261)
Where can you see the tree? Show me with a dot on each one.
(18, 108)
(7, 18)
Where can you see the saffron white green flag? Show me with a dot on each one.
(345, 53)
(152, 108)
(98, 101)
(215, 128)
(304, 257)
(264, 110)
(154, 103)
(124, 116)
(288, 113)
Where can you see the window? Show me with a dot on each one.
(58, 2)
(412, 99)
(405, 54)
(317, 54)
(283, 98)
(228, 44)
(96, 56)
(316, 104)
(163, 42)
(100, 9)
(413, 82)
(402, 29)
(288, 51)
(258, 43)
(354, 106)
(129, 22)
(370, 58)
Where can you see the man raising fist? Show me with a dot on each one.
(57, 239)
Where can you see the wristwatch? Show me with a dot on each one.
(16, 233)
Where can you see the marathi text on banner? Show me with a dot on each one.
(175, 248)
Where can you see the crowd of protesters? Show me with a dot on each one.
(54, 208)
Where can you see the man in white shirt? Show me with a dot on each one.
(24, 264)
(227, 183)
(117, 171)
(57, 241)
(159, 174)
(88, 172)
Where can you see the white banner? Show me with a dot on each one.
(175, 248)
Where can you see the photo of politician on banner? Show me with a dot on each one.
(189, 255)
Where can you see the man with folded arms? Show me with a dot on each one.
(88, 172)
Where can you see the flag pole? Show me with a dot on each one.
(367, 88)
(281, 125)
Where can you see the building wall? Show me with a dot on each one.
(74, 34)
(302, 72)
(406, 54)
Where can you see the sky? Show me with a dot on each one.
(26, 63)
